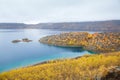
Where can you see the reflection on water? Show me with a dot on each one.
(23, 54)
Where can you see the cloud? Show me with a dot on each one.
(58, 10)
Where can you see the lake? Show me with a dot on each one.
(16, 55)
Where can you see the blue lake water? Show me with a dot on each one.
(23, 54)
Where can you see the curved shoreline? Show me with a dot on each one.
(97, 42)
(87, 65)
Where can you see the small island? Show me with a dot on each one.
(97, 42)
(16, 41)
(23, 40)
(26, 40)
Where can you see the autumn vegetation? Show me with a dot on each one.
(103, 66)
(88, 67)
(97, 42)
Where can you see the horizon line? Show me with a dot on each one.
(58, 22)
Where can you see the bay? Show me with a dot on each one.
(23, 54)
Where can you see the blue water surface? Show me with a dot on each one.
(23, 54)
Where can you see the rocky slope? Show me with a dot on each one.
(98, 42)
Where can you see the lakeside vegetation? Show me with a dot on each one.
(97, 42)
(104, 66)
(88, 67)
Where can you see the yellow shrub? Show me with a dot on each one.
(84, 68)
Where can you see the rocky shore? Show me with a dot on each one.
(97, 42)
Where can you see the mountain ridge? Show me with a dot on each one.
(108, 25)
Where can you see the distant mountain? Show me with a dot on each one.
(12, 26)
(111, 25)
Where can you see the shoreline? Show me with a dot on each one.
(95, 64)
(85, 55)
(96, 42)
(48, 61)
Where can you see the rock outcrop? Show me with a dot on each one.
(112, 74)
(23, 40)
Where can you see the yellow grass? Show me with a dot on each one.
(87, 67)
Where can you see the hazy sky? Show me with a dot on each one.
(34, 11)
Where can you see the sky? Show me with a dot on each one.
(36, 11)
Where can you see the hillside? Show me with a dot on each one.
(12, 26)
(88, 67)
(84, 26)
(97, 42)
(111, 25)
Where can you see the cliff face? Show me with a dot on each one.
(113, 25)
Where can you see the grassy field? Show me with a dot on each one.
(88, 67)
